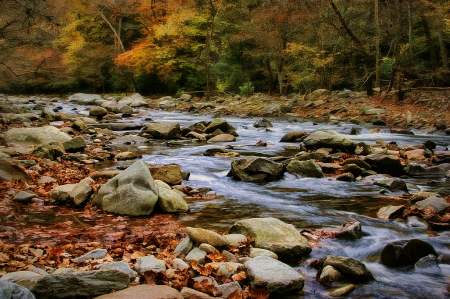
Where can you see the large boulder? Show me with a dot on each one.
(98, 112)
(405, 252)
(85, 99)
(164, 130)
(170, 174)
(293, 136)
(135, 100)
(74, 145)
(274, 235)
(436, 204)
(132, 192)
(329, 139)
(223, 138)
(305, 168)
(76, 285)
(170, 201)
(145, 291)
(222, 125)
(9, 290)
(350, 268)
(150, 263)
(256, 169)
(273, 275)
(10, 171)
(168, 102)
(422, 170)
(34, 136)
(386, 164)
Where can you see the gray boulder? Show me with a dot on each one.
(74, 145)
(62, 193)
(352, 269)
(305, 168)
(9, 290)
(184, 246)
(256, 169)
(329, 139)
(262, 123)
(350, 230)
(120, 266)
(405, 252)
(82, 191)
(274, 235)
(132, 192)
(196, 255)
(18, 276)
(93, 254)
(422, 170)
(168, 102)
(329, 274)
(434, 203)
(164, 130)
(427, 265)
(273, 275)
(148, 263)
(393, 184)
(222, 125)
(170, 201)
(135, 100)
(34, 136)
(24, 197)
(85, 99)
(293, 136)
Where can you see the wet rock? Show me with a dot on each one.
(390, 212)
(125, 156)
(329, 139)
(421, 196)
(274, 235)
(82, 191)
(93, 254)
(350, 230)
(79, 125)
(434, 203)
(385, 164)
(9, 290)
(220, 124)
(195, 135)
(254, 252)
(212, 151)
(164, 130)
(416, 222)
(405, 252)
(329, 274)
(170, 174)
(262, 123)
(235, 239)
(144, 291)
(119, 266)
(135, 100)
(344, 291)
(184, 246)
(85, 99)
(418, 154)
(171, 202)
(273, 275)
(317, 156)
(439, 124)
(201, 235)
(196, 255)
(98, 112)
(393, 184)
(419, 170)
(74, 145)
(346, 177)
(118, 126)
(293, 136)
(427, 264)
(353, 169)
(305, 168)
(24, 197)
(147, 263)
(256, 169)
(223, 138)
(34, 136)
(14, 277)
(328, 167)
(132, 192)
(352, 269)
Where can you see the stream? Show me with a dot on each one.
(304, 202)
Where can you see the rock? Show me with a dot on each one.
(197, 255)
(328, 167)
(353, 169)
(93, 254)
(168, 102)
(120, 266)
(329, 139)
(77, 285)
(345, 94)
(98, 112)
(254, 252)
(416, 222)
(220, 124)
(418, 154)
(227, 288)
(129, 139)
(147, 263)
(201, 235)
(434, 203)
(79, 125)
(439, 124)
(49, 151)
(293, 136)
(346, 177)
(235, 239)
(373, 111)
(34, 136)
(74, 145)
(305, 168)
(274, 235)
(170, 174)
(82, 191)
(344, 291)
(271, 110)
(164, 130)
(256, 169)
(188, 293)
(393, 184)
(135, 100)
(421, 170)
(421, 196)
(320, 93)
(85, 99)
(125, 156)
(195, 135)
(405, 252)
(273, 275)
(212, 151)
(223, 138)
(65, 270)
(428, 265)
(24, 197)
(184, 246)
(145, 291)
(9, 290)
(207, 248)
(228, 268)
(171, 202)
(385, 164)
(350, 230)
(318, 156)
(329, 274)
(352, 269)
(262, 123)
(390, 212)
(132, 192)
(46, 179)
(118, 126)
(179, 264)
(14, 277)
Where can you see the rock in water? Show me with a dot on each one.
(34, 136)
(350, 268)
(405, 252)
(273, 275)
(164, 130)
(385, 164)
(274, 235)
(132, 192)
(292, 136)
(256, 169)
(262, 123)
(329, 139)
(305, 168)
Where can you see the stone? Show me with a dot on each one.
(125, 156)
(405, 252)
(353, 169)
(49, 151)
(254, 252)
(85, 99)
(46, 180)
(132, 192)
(24, 196)
(128, 139)
(262, 123)
(189, 293)
(135, 100)
(196, 255)
(329, 139)
(65, 270)
(184, 247)
(223, 138)
(227, 288)
(305, 168)
(168, 102)
(145, 291)
(98, 112)
(170, 174)
(271, 110)
(293, 136)
(235, 239)
(93, 254)
(170, 201)
(82, 191)
(350, 230)
(74, 145)
(427, 265)
(435, 203)
(162, 185)
(352, 269)
(346, 177)
(421, 196)
(120, 266)
(201, 235)
(274, 235)
(14, 277)
(147, 263)
(343, 291)
(317, 156)
(393, 184)
(390, 212)
(416, 222)
(329, 274)
(77, 285)
(212, 151)
(179, 264)
(228, 268)
(34, 136)
(256, 169)
(9, 290)
(386, 164)
(219, 124)
(418, 154)
(207, 247)
(164, 130)
(62, 193)
(422, 170)
(79, 125)
(273, 275)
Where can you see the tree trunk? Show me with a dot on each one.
(209, 89)
(270, 77)
(426, 28)
(441, 37)
(410, 31)
(377, 63)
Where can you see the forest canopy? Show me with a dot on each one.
(223, 46)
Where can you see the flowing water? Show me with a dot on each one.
(304, 202)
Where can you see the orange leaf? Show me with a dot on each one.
(239, 276)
